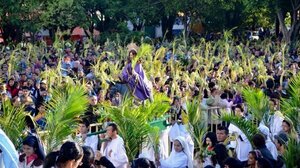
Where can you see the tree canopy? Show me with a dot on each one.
(216, 15)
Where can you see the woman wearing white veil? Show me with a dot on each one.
(180, 156)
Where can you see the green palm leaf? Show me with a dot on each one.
(134, 122)
(12, 121)
(291, 154)
(67, 104)
(257, 103)
(197, 122)
(247, 127)
(291, 106)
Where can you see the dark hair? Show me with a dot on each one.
(85, 122)
(143, 163)
(256, 154)
(34, 142)
(221, 154)
(25, 88)
(233, 163)
(270, 83)
(263, 163)
(287, 122)
(224, 96)
(133, 52)
(88, 157)
(221, 128)
(213, 138)
(114, 126)
(259, 141)
(69, 151)
(211, 85)
(50, 159)
(205, 93)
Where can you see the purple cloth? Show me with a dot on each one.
(238, 100)
(136, 81)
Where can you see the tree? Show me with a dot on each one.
(18, 17)
(63, 14)
(140, 13)
(283, 7)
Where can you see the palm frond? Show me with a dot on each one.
(257, 103)
(134, 122)
(12, 121)
(197, 122)
(67, 104)
(145, 52)
(291, 154)
(247, 127)
(290, 106)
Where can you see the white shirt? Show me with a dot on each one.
(272, 148)
(118, 155)
(276, 124)
(242, 147)
(92, 141)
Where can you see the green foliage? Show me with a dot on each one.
(144, 53)
(247, 127)
(258, 103)
(290, 106)
(134, 122)
(138, 12)
(66, 105)
(291, 154)
(12, 121)
(121, 33)
(64, 14)
(197, 123)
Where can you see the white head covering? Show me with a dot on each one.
(186, 150)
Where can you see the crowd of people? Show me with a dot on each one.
(227, 146)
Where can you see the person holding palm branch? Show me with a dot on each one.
(136, 78)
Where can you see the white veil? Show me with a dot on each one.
(186, 150)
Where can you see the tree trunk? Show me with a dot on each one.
(277, 27)
(290, 35)
(167, 26)
(283, 28)
(138, 27)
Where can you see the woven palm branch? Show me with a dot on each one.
(67, 104)
(258, 104)
(247, 127)
(12, 122)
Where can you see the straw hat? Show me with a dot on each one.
(132, 47)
